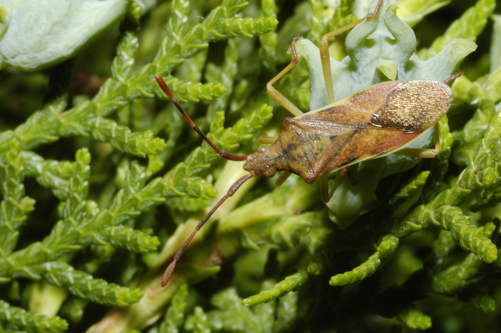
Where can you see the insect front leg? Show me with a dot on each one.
(325, 55)
(275, 94)
(282, 178)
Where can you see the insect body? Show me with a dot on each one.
(372, 123)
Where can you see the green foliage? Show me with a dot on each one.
(290, 283)
(17, 319)
(385, 250)
(174, 317)
(469, 26)
(98, 169)
(415, 319)
(230, 315)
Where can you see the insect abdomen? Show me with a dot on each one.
(414, 106)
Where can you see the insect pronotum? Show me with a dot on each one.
(372, 123)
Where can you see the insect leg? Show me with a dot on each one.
(325, 193)
(275, 94)
(423, 152)
(339, 178)
(282, 178)
(324, 189)
(324, 51)
(266, 139)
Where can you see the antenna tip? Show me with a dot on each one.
(168, 273)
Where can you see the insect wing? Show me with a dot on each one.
(328, 151)
(365, 143)
(370, 124)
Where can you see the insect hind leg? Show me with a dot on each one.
(423, 152)
(325, 55)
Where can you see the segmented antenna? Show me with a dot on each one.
(231, 191)
(224, 154)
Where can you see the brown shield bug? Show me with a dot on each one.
(380, 120)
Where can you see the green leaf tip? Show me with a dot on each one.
(385, 250)
(249, 27)
(83, 285)
(415, 319)
(476, 240)
(290, 283)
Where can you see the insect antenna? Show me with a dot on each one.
(224, 154)
(231, 191)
